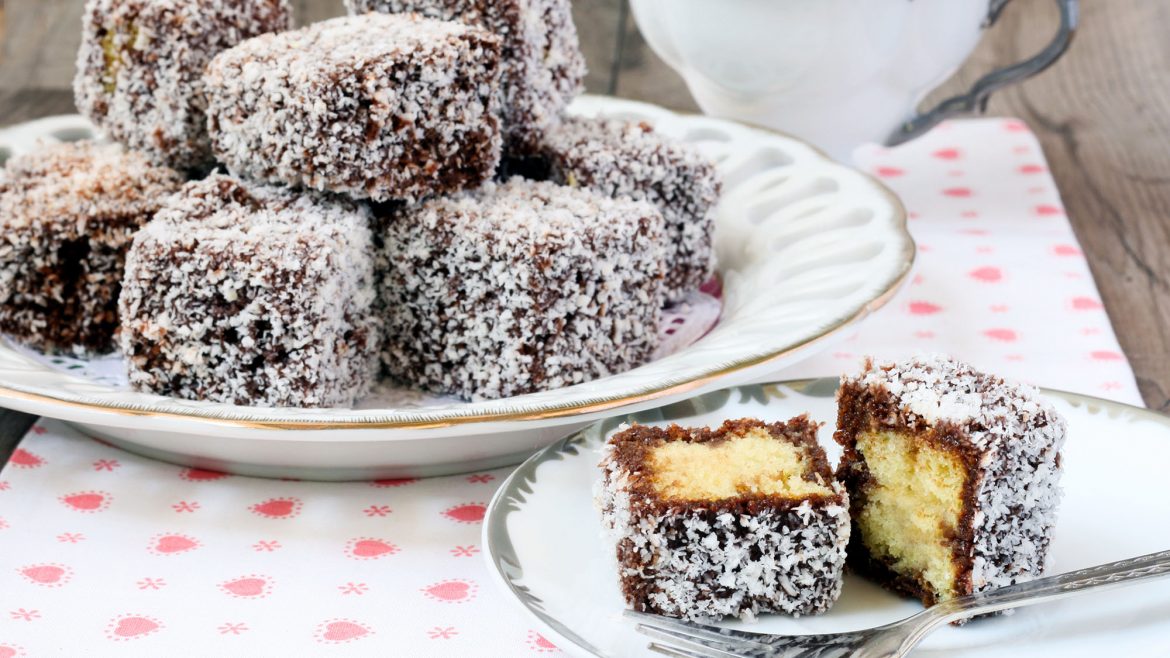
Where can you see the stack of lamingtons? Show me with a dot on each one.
(287, 213)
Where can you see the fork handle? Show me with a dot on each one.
(1043, 590)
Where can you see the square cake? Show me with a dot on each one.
(519, 287)
(251, 295)
(734, 522)
(953, 476)
(67, 215)
(629, 159)
(140, 68)
(541, 68)
(376, 106)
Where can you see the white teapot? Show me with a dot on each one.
(838, 73)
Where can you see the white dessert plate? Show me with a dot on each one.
(806, 248)
(543, 542)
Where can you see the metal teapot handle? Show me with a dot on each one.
(976, 98)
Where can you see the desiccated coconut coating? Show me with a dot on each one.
(541, 68)
(67, 215)
(251, 295)
(626, 159)
(737, 555)
(140, 68)
(377, 106)
(519, 287)
(1007, 439)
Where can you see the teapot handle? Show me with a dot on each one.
(976, 98)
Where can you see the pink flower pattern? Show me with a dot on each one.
(266, 546)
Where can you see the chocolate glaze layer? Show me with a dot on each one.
(541, 68)
(736, 556)
(627, 159)
(251, 294)
(518, 287)
(67, 215)
(140, 68)
(384, 107)
(1005, 435)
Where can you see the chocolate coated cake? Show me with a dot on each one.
(519, 287)
(734, 522)
(376, 106)
(251, 295)
(624, 159)
(67, 215)
(140, 68)
(541, 67)
(953, 476)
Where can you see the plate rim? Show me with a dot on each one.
(551, 411)
(495, 516)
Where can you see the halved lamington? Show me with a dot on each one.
(542, 66)
(735, 522)
(519, 287)
(252, 295)
(67, 215)
(376, 106)
(627, 159)
(953, 476)
(140, 68)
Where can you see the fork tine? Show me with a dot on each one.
(695, 629)
(675, 652)
(705, 648)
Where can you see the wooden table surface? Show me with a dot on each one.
(1102, 114)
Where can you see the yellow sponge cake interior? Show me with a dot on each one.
(748, 462)
(912, 506)
(733, 521)
(953, 476)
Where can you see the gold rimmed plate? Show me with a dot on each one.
(543, 544)
(806, 248)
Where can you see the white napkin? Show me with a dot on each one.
(1000, 279)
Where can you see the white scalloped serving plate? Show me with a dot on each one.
(806, 248)
(543, 545)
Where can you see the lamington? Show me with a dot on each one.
(732, 522)
(953, 476)
(630, 159)
(378, 106)
(542, 65)
(67, 215)
(518, 287)
(251, 295)
(140, 68)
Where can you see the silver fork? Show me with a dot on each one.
(685, 639)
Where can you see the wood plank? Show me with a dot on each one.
(40, 43)
(597, 29)
(643, 76)
(13, 426)
(312, 11)
(1103, 116)
(26, 104)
